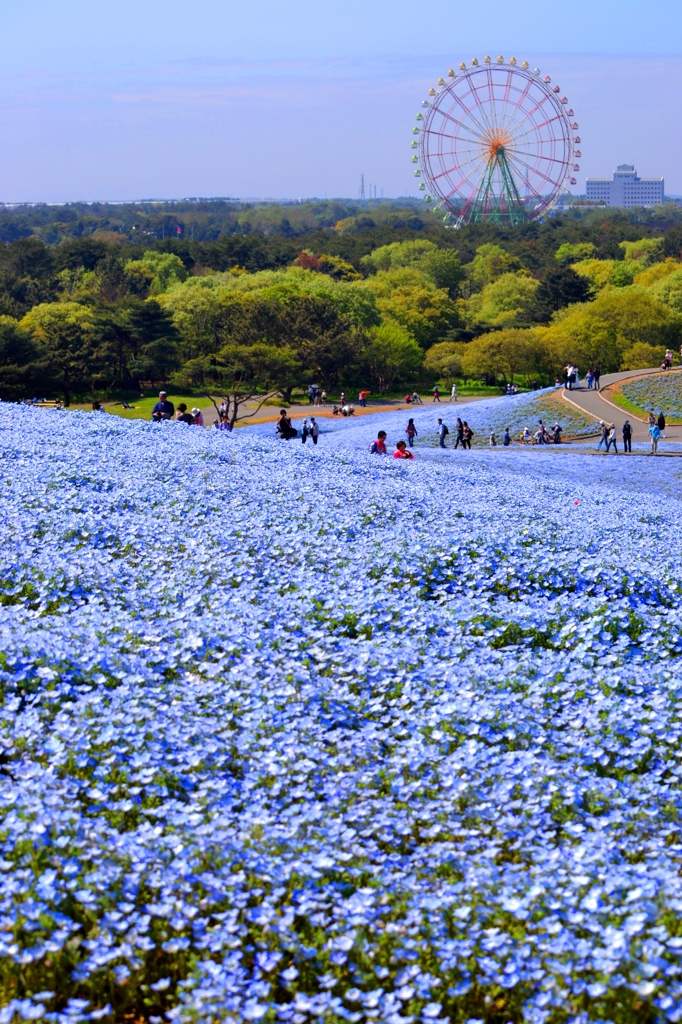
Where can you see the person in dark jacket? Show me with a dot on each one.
(661, 423)
(626, 431)
(163, 410)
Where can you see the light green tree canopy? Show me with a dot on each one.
(501, 302)
(167, 269)
(398, 254)
(490, 262)
(507, 353)
(572, 252)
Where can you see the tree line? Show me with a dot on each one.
(383, 305)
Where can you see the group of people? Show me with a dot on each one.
(413, 399)
(347, 409)
(286, 431)
(316, 395)
(378, 447)
(592, 378)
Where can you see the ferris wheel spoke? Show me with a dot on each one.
(544, 141)
(518, 105)
(490, 127)
(476, 161)
(461, 182)
(529, 114)
(460, 124)
(537, 125)
(483, 130)
(549, 159)
(535, 170)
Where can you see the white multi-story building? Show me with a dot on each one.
(626, 188)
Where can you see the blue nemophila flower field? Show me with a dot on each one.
(296, 734)
(657, 393)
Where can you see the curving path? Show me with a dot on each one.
(593, 403)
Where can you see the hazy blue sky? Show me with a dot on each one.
(284, 99)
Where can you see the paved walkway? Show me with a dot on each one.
(597, 404)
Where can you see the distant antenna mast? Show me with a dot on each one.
(362, 188)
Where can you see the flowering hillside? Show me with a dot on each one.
(303, 734)
(657, 393)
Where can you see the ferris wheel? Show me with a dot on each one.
(496, 142)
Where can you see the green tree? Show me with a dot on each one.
(21, 371)
(166, 268)
(64, 333)
(398, 254)
(572, 252)
(506, 354)
(641, 356)
(391, 356)
(444, 361)
(560, 287)
(443, 268)
(490, 262)
(503, 302)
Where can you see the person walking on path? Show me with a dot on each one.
(311, 394)
(655, 434)
(401, 451)
(323, 397)
(378, 447)
(304, 431)
(436, 394)
(468, 434)
(661, 423)
(459, 433)
(603, 440)
(442, 433)
(314, 429)
(612, 439)
(652, 419)
(626, 431)
(411, 432)
(596, 374)
(163, 410)
(453, 393)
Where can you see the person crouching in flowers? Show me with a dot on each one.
(402, 452)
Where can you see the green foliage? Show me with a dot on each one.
(644, 251)
(391, 356)
(490, 262)
(669, 289)
(502, 302)
(398, 254)
(572, 252)
(444, 361)
(506, 354)
(166, 270)
(600, 273)
(641, 356)
(20, 369)
(443, 268)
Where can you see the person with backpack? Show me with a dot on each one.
(468, 434)
(411, 432)
(626, 431)
(459, 433)
(378, 447)
(442, 433)
(612, 439)
(604, 434)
